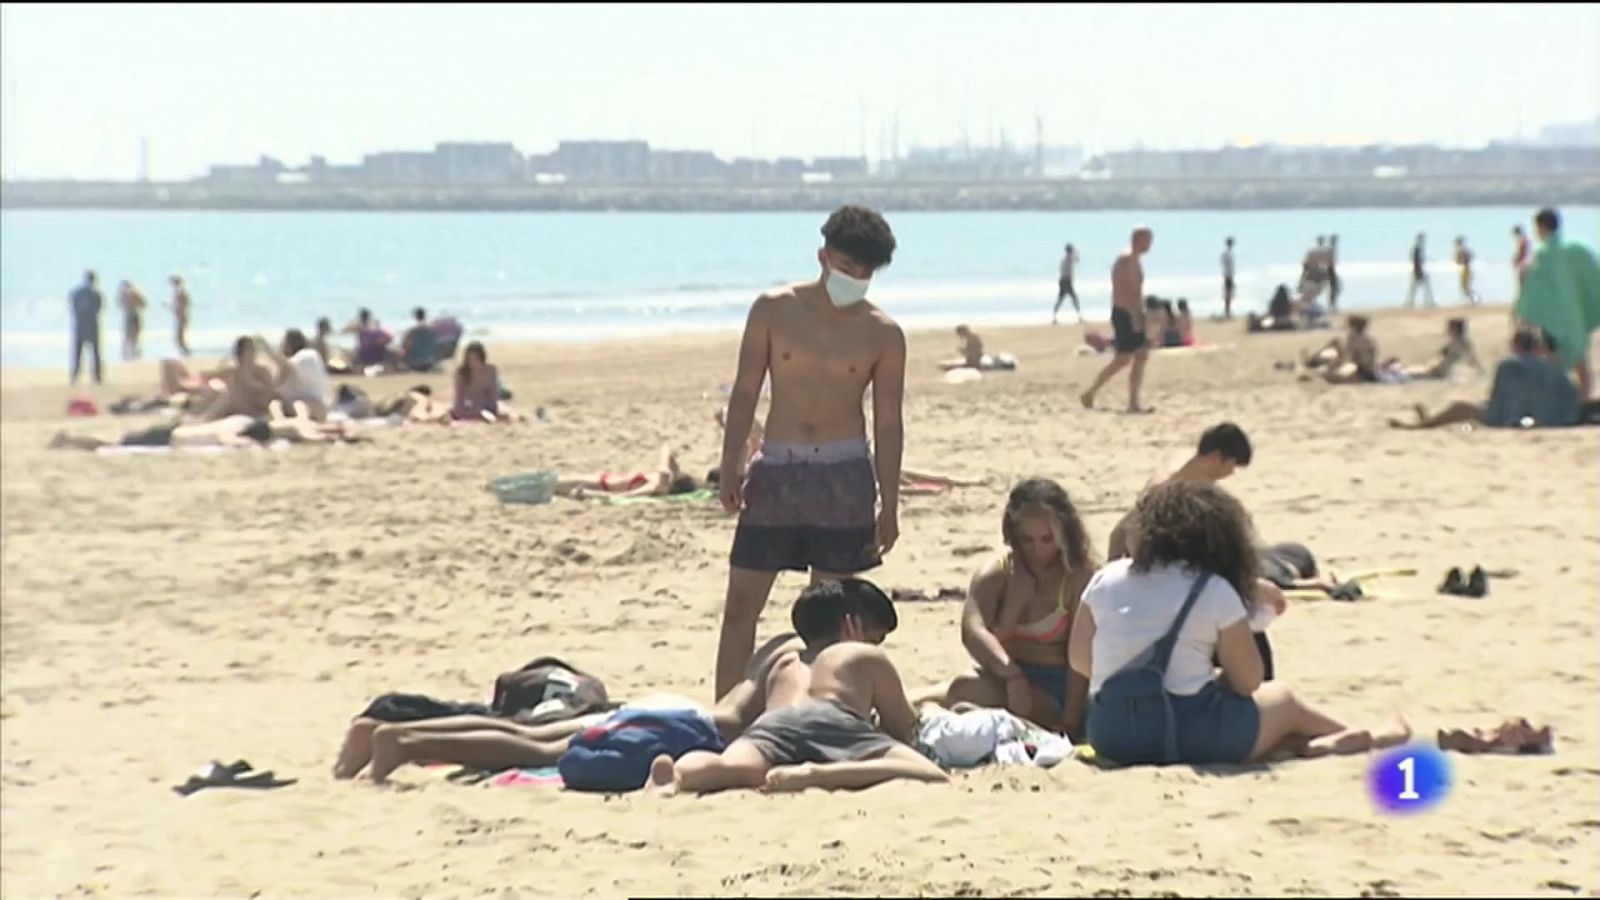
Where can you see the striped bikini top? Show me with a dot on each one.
(1048, 630)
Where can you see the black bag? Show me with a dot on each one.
(548, 690)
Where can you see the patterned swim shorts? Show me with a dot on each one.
(809, 506)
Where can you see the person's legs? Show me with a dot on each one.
(1073, 293)
(357, 749)
(94, 348)
(1457, 413)
(1136, 379)
(701, 771)
(77, 354)
(62, 440)
(1585, 379)
(395, 745)
(1117, 364)
(747, 595)
(899, 762)
(976, 688)
(1286, 723)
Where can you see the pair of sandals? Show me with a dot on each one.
(1474, 585)
(237, 774)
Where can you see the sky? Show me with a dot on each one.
(82, 85)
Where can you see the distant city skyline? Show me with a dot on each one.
(82, 87)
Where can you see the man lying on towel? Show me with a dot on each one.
(816, 731)
(492, 743)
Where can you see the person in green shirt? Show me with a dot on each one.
(1561, 294)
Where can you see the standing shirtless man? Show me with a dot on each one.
(181, 305)
(807, 502)
(1127, 320)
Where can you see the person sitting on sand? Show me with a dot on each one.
(1185, 595)
(1353, 360)
(668, 478)
(1224, 448)
(1457, 349)
(419, 346)
(1185, 323)
(302, 382)
(1019, 609)
(1529, 390)
(230, 431)
(477, 388)
(969, 350)
(247, 389)
(1167, 317)
(1280, 314)
(818, 729)
(334, 359)
(372, 341)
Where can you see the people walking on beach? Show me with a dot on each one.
(1227, 279)
(133, 304)
(1419, 274)
(1069, 263)
(1521, 253)
(806, 502)
(181, 308)
(1464, 261)
(1334, 285)
(86, 303)
(1127, 321)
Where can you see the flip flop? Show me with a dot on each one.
(215, 774)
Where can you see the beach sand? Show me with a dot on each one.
(162, 611)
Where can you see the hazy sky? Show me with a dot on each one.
(80, 85)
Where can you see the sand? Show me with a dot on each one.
(162, 611)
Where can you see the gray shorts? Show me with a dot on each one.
(817, 731)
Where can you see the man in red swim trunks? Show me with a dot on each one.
(807, 501)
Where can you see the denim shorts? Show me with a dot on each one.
(1214, 725)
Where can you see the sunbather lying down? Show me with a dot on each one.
(487, 742)
(911, 480)
(1515, 736)
(231, 431)
(667, 478)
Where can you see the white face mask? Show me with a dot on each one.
(844, 290)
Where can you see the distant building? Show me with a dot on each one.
(401, 167)
(687, 165)
(841, 168)
(1575, 134)
(479, 163)
(602, 160)
(265, 171)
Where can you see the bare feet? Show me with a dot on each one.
(59, 441)
(1088, 400)
(387, 755)
(790, 779)
(1137, 410)
(1398, 732)
(663, 780)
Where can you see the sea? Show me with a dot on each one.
(570, 276)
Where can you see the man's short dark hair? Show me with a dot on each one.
(1526, 340)
(820, 612)
(1457, 327)
(1548, 219)
(1227, 439)
(420, 314)
(88, 276)
(860, 234)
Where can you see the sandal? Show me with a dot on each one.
(1453, 583)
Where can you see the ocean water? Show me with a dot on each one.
(586, 276)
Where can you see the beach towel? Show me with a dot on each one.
(1561, 294)
(133, 450)
(615, 755)
(547, 776)
(701, 496)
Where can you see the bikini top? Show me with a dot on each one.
(1048, 630)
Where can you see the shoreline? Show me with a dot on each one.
(890, 197)
(696, 341)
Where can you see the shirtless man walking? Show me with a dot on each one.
(1127, 320)
(817, 730)
(181, 305)
(807, 500)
